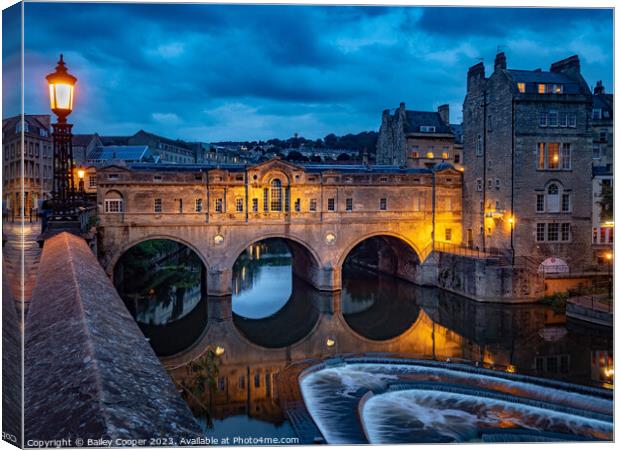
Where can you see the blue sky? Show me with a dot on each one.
(231, 72)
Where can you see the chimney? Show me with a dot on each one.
(402, 106)
(475, 74)
(569, 66)
(444, 113)
(500, 61)
(599, 89)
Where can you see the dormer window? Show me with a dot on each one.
(43, 132)
(427, 129)
(521, 87)
(550, 89)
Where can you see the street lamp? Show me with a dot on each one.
(61, 86)
(609, 257)
(81, 174)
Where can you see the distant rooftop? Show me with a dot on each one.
(128, 153)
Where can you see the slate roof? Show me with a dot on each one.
(417, 119)
(114, 140)
(129, 153)
(34, 121)
(605, 102)
(82, 140)
(571, 86)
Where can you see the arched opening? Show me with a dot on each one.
(163, 285)
(379, 301)
(276, 195)
(113, 202)
(272, 306)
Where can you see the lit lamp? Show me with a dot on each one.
(81, 183)
(61, 88)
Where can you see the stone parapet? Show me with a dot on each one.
(11, 368)
(89, 372)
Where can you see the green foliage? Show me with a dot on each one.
(557, 301)
(606, 202)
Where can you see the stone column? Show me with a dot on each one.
(219, 282)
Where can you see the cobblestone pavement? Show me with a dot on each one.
(21, 243)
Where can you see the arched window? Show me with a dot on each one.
(113, 202)
(276, 195)
(553, 198)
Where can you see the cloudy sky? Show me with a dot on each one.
(213, 72)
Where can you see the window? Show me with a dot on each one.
(219, 205)
(331, 204)
(595, 235)
(254, 205)
(565, 232)
(603, 136)
(430, 155)
(565, 156)
(596, 151)
(479, 184)
(383, 204)
(563, 120)
(198, 205)
(266, 200)
(448, 234)
(276, 195)
(497, 183)
(415, 154)
(349, 202)
(297, 205)
(313, 205)
(479, 145)
(541, 89)
(557, 88)
(565, 202)
(427, 129)
(597, 113)
(553, 232)
(521, 87)
(157, 205)
(490, 183)
(553, 155)
(239, 204)
(553, 198)
(553, 118)
(444, 155)
(113, 176)
(572, 120)
(457, 158)
(114, 205)
(540, 232)
(542, 119)
(257, 380)
(92, 180)
(489, 123)
(540, 203)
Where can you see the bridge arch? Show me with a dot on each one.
(399, 256)
(127, 246)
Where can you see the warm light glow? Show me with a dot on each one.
(61, 85)
(462, 169)
(609, 223)
(219, 351)
(430, 155)
(444, 155)
(218, 239)
(81, 173)
(608, 256)
(330, 342)
(61, 96)
(521, 87)
(511, 369)
(511, 220)
(556, 158)
(330, 238)
(609, 372)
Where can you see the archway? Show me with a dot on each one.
(163, 285)
(378, 300)
(272, 306)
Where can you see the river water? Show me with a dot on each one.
(231, 355)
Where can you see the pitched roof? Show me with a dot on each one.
(83, 140)
(417, 119)
(131, 153)
(571, 86)
(114, 140)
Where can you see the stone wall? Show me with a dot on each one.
(11, 368)
(90, 373)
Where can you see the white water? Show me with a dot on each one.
(332, 394)
(425, 415)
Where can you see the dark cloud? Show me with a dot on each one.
(216, 72)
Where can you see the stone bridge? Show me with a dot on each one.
(322, 211)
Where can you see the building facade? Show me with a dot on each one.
(602, 171)
(168, 150)
(34, 158)
(417, 138)
(527, 153)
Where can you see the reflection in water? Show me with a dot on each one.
(268, 335)
(262, 279)
(162, 285)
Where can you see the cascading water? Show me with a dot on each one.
(332, 396)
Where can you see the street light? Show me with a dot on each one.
(609, 257)
(61, 89)
(81, 174)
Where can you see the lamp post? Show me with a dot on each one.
(81, 174)
(609, 257)
(61, 86)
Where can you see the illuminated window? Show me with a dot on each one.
(415, 154)
(557, 88)
(276, 195)
(521, 87)
(444, 155)
(541, 88)
(430, 155)
(553, 155)
(157, 205)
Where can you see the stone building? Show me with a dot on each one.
(527, 156)
(83, 144)
(602, 169)
(37, 157)
(168, 150)
(417, 138)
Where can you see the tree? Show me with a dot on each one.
(344, 157)
(294, 155)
